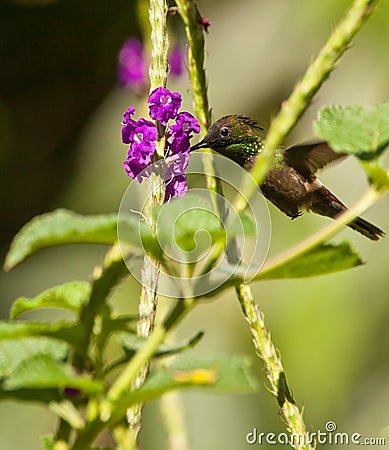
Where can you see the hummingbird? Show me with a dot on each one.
(291, 183)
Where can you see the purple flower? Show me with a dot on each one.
(187, 123)
(176, 187)
(142, 136)
(127, 115)
(132, 63)
(176, 165)
(143, 139)
(164, 104)
(176, 61)
(131, 68)
(179, 144)
(181, 132)
(129, 126)
(134, 169)
(175, 179)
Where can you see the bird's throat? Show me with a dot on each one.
(243, 154)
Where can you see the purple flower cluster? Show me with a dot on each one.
(132, 63)
(142, 136)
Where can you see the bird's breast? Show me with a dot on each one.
(285, 187)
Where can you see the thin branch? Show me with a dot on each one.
(264, 347)
(150, 271)
(172, 417)
(370, 197)
(190, 15)
(270, 356)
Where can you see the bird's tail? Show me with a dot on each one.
(324, 202)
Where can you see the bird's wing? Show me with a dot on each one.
(308, 158)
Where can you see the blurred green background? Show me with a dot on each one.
(60, 114)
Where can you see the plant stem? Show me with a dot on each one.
(264, 347)
(147, 308)
(370, 197)
(130, 372)
(158, 70)
(275, 373)
(171, 406)
(63, 432)
(124, 437)
(195, 36)
(280, 127)
(261, 338)
(150, 272)
(305, 89)
(189, 14)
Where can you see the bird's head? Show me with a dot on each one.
(236, 137)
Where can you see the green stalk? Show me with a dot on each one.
(173, 419)
(370, 197)
(158, 70)
(280, 127)
(144, 354)
(261, 337)
(304, 91)
(150, 272)
(270, 356)
(189, 14)
(195, 36)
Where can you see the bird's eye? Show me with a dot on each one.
(224, 132)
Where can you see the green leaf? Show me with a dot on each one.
(216, 374)
(244, 223)
(133, 231)
(32, 395)
(221, 373)
(133, 342)
(69, 296)
(67, 227)
(359, 130)
(179, 220)
(13, 352)
(65, 331)
(43, 372)
(377, 175)
(324, 259)
(191, 223)
(60, 227)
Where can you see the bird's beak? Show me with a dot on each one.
(201, 144)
